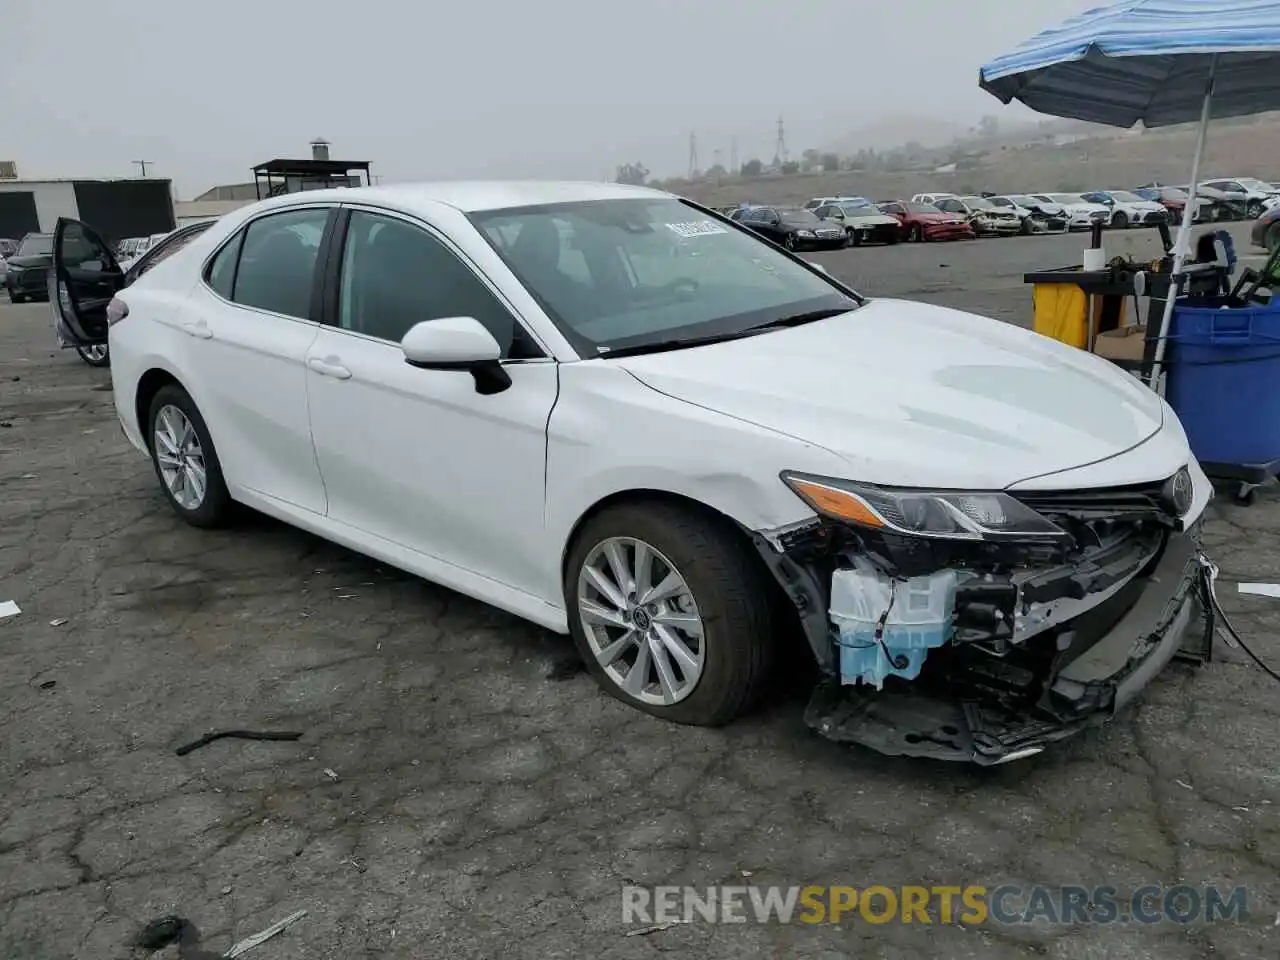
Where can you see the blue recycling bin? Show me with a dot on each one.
(1223, 380)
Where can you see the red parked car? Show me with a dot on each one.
(924, 221)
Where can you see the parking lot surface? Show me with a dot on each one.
(460, 791)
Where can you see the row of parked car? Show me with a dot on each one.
(854, 220)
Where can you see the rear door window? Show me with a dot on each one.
(277, 265)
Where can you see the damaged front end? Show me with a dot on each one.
(983, 627)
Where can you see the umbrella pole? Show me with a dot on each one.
(1182, 248)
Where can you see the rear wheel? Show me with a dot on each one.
(95, 356)
(670, 612)
(185, 459)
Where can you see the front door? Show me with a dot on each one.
(84, 278)
(418, 457)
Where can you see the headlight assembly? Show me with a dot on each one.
(940, 514)
(804, 233)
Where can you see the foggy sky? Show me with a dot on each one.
(437, 90)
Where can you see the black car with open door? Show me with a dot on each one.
(87, 275)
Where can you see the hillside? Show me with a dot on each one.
(1115, 159)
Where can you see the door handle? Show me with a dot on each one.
(200, 330)
(328, 368)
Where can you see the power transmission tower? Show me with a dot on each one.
(693, 155)
(780, 148)
(143, 164)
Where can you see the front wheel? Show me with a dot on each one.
(16, 298)
(853, 238)
(915, 234)
(670, 612)
(1272, 239)
(1255, 210)
(185, 459)
(1120, 222)
(789, 241)
(95, 356)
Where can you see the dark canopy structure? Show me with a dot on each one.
(277, 177)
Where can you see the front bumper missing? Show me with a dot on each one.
(1169, 618)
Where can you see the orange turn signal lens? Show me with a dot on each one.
(834, 502)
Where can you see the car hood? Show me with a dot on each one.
(911, 394)
(804, 224)
(37, 260)
(936, 217)
(1050, 209)
(870, 219)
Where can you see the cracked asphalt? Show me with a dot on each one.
(460, 790)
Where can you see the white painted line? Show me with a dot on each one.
(1261, 589)
(9, 609)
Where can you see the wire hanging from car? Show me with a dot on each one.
(1211, 570)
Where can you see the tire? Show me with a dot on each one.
(729, 596)
(95, 356)
(214, 509)
(16, 298)
(1254, 210)
(1025, 229)
(915, 234)
(789, 241)
(1271, 240)
(891, 238)
(853, 238)
(1120, 221)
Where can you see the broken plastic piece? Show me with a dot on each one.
(9, 609)
(238, 735)
(886, 626)
(248, 943)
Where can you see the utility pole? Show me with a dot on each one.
(780, 148)
(143, 164)
(733, 156)
(693, 155)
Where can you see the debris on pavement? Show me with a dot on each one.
(1260, 589)
(248, 943)
(60, 621)
(48, 684)
(331, 774)
(9, 609)
(238, 735)
(1185, 786)
(652, 928)
(158, 934)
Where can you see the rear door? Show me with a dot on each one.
(84, 278)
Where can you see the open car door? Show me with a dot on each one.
(84, 278)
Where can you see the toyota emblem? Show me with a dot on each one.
(1178, 492)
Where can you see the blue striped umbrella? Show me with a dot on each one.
(1155, 62)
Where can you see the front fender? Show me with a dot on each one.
(611, 435)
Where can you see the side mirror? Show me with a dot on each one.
(457, 343)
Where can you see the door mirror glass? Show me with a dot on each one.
(450, 342)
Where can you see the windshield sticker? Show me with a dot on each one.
(695, 228)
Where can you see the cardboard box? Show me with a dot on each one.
(1126, 343)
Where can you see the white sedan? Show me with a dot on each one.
(624, 417)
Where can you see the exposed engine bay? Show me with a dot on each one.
(987, 650)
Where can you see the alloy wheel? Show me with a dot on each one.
(641, 621)
(95, 354)
(180, 457)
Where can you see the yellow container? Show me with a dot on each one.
(1061, 312)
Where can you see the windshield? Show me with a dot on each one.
(1067, 198)
(1174, 193)
(796, 215)
(1124, 196)
(921, 208)
(624, 273)
(858, 209)
(35, 246)
(978, 203)
(1256, 184)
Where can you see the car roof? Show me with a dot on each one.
(475, 196)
